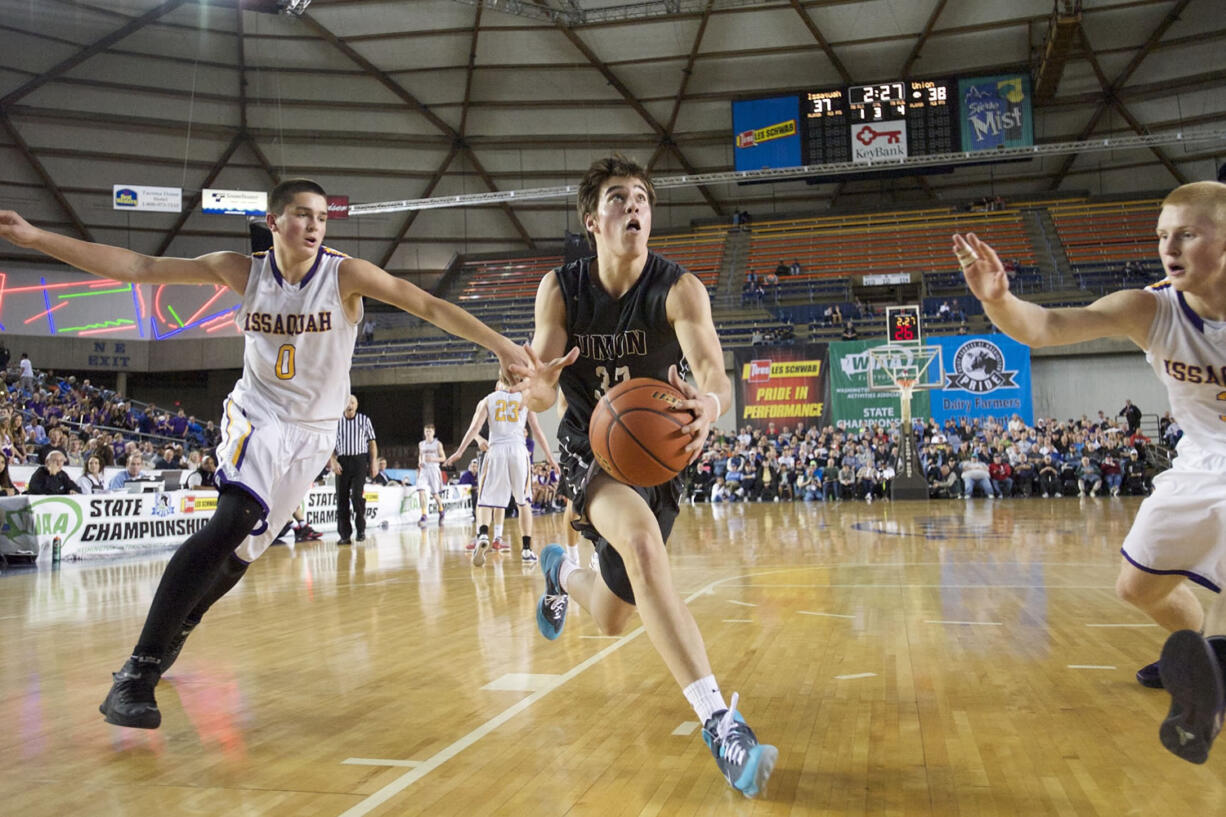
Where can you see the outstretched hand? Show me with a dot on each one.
(985, 274)
(16, 229)
(538, 381)
(705, 408)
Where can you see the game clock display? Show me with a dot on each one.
(903, 324)
(889, 120)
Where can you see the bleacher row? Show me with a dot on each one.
(1110, 245)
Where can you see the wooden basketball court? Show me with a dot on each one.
(942, 658)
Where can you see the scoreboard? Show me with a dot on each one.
(882, 121)
(885, 120)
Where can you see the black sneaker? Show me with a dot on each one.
(361, 537)
(130, 701)
(345, 541)
(176, 646)
(1149, 676)
(1192, 673)
(743, 761)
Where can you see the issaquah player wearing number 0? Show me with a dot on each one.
(1180, 530)
(300, 312)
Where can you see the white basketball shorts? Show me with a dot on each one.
(430, 478)
(505, 471)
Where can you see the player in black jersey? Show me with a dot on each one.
(630, 313)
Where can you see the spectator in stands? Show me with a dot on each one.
(92, 480)
(830, 480)
(1024, 473)
(1001, 474)
(204, 477)
(1089, 476)
(56, 441)
(169, 459)
(943, 311)
(132, 472)
(27, 373)
(178, 424)
(368, 330)
(781, 269)
(76, 452)
(469, 477)
(795, 269)
(720, 492)
(849, 331)
(1134, 475)
(1049, 477)
(847, 481)
(7, 488)
(5, 357)
(943, 483)
(50, 479)
(101, 448)
(15, 444)
(975, 475)
(1131, 415)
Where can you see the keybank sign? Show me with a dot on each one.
(48, 516)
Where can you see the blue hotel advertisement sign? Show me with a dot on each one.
(984, 376)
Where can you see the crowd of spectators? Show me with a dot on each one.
(1083, 457)
(53, 422)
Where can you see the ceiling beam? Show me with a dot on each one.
(665, 140)
(1111, 92)
(89, 51)
(468, 72)
(195, 198)
(822, 41)
(412, 216)
(905, 73)
(415, 104)
(686, 73)
(24, 149)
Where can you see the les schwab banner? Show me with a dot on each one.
(781, 385)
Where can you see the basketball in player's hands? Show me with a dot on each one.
(636, 434)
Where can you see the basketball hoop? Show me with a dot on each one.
(906, 385)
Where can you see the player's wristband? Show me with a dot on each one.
(718, 404)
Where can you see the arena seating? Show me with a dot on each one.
(1106, 231)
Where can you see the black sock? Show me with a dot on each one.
(484, 530)
(191, 572)
(527, 543)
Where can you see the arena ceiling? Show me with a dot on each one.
(401, 99)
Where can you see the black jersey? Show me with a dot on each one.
(618, 338)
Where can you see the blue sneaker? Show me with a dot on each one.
(1192, 673)
(744, 762)
(551, 609)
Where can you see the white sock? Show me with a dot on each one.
(572, 553)
(705, 697)
(498, 531)
(568, 567)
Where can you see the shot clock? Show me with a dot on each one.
(902, 324)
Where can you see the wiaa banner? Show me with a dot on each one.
(852, 402)
(781, 385)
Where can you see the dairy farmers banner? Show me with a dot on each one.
(783, 385)
(985, 376)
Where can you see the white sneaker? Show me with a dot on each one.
(1115, 492)
(869, 499)
(527, 556)
(1045, 496)
(483, 546)
(594, 562)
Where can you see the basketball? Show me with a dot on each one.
(636, 432)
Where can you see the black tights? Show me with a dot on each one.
(201, 566)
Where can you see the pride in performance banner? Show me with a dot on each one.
(985, 376)
(782, 385)
(851, 401)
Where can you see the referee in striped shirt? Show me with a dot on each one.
(356, 456)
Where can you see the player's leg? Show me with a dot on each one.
(499, 517)
(519, 478)
(423, 499)
(187, 578)
(625, 520)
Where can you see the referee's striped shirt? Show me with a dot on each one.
(352, 435)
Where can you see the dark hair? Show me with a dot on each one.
(284, 193)
(600, 172)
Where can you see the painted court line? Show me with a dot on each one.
(742, 603)
(1138, 624)
(854, 677)
(686, 728)
(983, 623)
(378, 798)
(738, 621)
(614, 637)
(824, 615)
(374, 761)
(1089, 666)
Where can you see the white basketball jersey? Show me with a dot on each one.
(1189, 355)
(299, 344)
(425, 449)
(507, 417)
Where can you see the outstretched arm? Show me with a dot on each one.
(1126, 313)
(225, 268)
(360, 278)
(539, 378)
(539, 436)
(473, 431)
